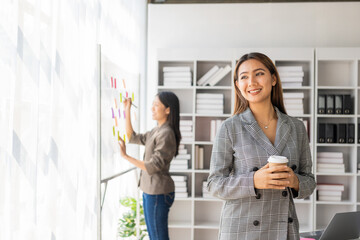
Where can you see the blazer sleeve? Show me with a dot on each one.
(307, 182)
(221, 183)
(138, 138)
(163, 153)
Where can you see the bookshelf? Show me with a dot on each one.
(337, 73)
(196, 217)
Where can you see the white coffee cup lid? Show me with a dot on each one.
(278, 159)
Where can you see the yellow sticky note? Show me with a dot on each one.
(132, 97)
(114, 131)
(124, 137)
(118, 135)
(120, 97)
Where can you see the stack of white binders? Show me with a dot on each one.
(186, 129)
(214, 75)
(199, 157)
(293, 102)
(210, 103)
(205, 192)
(177, 76)
(181, 190)
(181, 161)
(291, 76)
(214, 128)
(329, 192)
(330, 162)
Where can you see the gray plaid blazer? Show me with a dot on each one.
(240, 149)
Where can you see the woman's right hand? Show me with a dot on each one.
(127, 103)
(271, 178)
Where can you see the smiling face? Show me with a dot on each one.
(255, 82)
(160, 113)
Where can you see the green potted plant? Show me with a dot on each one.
(127, 224)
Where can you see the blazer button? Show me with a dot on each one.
(258, 196)
(256, 223)
(290, 220)
(255, 169)
(293, 167)
(284, 193)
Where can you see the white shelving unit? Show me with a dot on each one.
(337, 72)
(196, 217)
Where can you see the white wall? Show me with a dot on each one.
(249, 25)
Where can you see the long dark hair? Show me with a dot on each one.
(169, 99)
(276, 92)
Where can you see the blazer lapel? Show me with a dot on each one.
(255, 131)
(282, 131)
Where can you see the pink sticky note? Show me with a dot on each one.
(127, 94)
(112, 83)
(307, 239)
(124, 115)
(115, 82)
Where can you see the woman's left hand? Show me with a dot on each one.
(122, 147)
(293, 179)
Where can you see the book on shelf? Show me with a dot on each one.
(179, 178)
(186, 134)
(218, 76)
(291, 84)
(180, 162)
(321, 104)
(180, 184)
(330, 186)
(186, 123)
(329, 193)
(330, 170)
(209, 106)
(178, 167)
(209, 101)
(329, 160)
(182, 151)
(291, 74)
(185, 128)
(331, 165)
(170, 75)
(209, 96)
(181, 195)
(293, 95)
(177, 69)
(199, 157)
(179, 189)
(289, 69)
(330, 198)
(295, 112)
(209, 111)
(293, 101)
(291, 80)
(330, 155)
(207, 75)
(214, 128)
(183, 157)
(294, 106)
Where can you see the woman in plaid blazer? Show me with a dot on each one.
(259, 199)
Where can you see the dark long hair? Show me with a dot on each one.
(169, 99)
(276, 92)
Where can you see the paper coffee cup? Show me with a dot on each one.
(277, 161)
